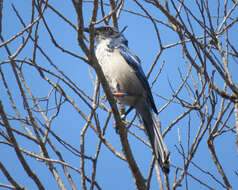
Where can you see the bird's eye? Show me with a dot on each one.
(109, 31)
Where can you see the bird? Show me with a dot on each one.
(129, 85)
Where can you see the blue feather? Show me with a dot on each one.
(133, 62)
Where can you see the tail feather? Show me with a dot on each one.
(153, 129)
(160, 149)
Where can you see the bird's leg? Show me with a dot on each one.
(123, 112)
(121, 106)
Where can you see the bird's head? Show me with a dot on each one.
(107, 32)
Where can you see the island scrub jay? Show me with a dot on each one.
(129, 85)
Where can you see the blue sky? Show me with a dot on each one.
(111, 171)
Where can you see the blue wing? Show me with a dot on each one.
(133, 61)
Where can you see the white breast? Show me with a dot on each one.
(120, 76)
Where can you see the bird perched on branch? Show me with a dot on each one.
(129, 85)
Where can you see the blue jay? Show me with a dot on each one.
(129, 85)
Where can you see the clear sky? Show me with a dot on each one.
(112, 173)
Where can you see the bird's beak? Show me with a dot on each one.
(125, 27)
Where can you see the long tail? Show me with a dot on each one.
(153, 129)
